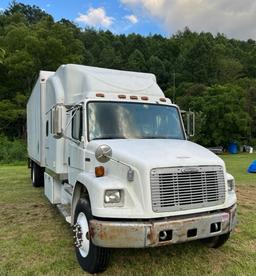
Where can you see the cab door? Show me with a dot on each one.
(76, 159)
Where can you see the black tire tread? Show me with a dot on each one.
(98, 258)
(39, 175)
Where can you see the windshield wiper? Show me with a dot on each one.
(108, 137)
(155, 137)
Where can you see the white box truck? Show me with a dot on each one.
(113, 155)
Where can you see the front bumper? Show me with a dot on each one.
(118, 234)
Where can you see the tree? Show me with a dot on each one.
(33, 14)
(12, 119)
(228, 69)
(136, 42)
(251, 109)
(2, 54)
(156, 66)
(88, 58)
(136, 62)
(251, 63)
(225, 118)
(31, 42)
(214, 76)
(44, 45)
(200, 64)
(107, 57)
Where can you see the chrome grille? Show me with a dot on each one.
(184, 188)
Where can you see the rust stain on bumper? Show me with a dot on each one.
(146, 234)
(115, 234)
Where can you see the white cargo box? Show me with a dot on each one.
(36, 120)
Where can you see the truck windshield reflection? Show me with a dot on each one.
(112, 120)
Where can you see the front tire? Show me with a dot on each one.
(217, 241)
(91, 258)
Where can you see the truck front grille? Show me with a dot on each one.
(183, 188)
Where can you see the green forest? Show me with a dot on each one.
(214, 76)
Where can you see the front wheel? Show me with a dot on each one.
(91, 258)
(217, 241)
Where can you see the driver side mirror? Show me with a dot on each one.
(189, 122)
(57, 130)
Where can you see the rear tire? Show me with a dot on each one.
(91, 258)
(217, 241)
(37, 175)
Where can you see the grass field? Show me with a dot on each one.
(35, 239)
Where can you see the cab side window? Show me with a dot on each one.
(77, 124)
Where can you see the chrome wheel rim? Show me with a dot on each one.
(81, 234)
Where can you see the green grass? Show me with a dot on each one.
(35, 239)
(237, 165)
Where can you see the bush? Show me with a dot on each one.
(12, 151)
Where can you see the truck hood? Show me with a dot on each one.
(154, 153)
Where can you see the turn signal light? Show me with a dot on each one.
(99, 171)
(162, 100)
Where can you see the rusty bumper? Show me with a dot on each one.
(151, 233)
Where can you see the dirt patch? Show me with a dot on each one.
(246, 195)
(251, 245)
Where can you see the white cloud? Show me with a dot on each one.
(95, 18)
(235, 18)
(48, 5)
(132, 18)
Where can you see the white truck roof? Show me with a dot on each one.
(76, 82)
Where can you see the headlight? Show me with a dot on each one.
(113, 196)
(231, 185)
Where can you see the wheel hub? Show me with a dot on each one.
(81, 234)
(77, 235)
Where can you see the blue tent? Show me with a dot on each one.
(252, 167)
(232, 148)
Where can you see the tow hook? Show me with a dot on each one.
(162, 235)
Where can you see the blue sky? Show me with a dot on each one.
(122, 17)
(234, 18)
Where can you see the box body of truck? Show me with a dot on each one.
(112, 153)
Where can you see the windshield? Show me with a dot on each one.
(116, 120)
